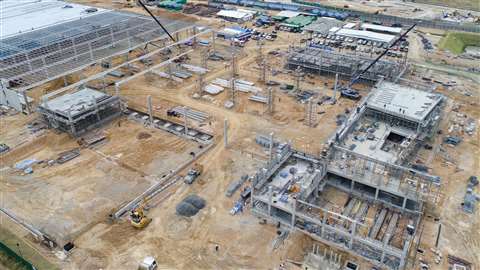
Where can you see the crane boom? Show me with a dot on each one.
(155, 18)
(357, 77)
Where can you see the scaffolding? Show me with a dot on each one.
(290, 189)
(33, 58)
(318, 61)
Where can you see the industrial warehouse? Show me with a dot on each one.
(238, 134)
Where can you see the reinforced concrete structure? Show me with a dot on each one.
(365, 200)
(319, 61)
(80, 111)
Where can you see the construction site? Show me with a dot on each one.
(235, 135)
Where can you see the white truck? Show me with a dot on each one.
(148, 263)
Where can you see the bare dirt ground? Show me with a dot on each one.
(75, 198)
(87, 188)
(460, 233)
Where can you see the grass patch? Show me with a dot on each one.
(456, 42)
(26, 251)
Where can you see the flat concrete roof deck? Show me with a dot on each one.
(74, 103)
(403, 101)
(370, 138)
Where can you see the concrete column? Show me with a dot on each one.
(91, 51)
(294, 212)
(270, 195)
(194, 42)
(376, 193)
(405, 252)
(335, 88)
(213, 41)
(70, 122)
(117, 89)
(324, 221)
(353, 227)
(252, 200)
(352, 185)
(382, 257)
(404, 204)
(185, 111)
(96, 108)
(270, 150)
(225, 133)
(27, 105)
(149, 107)
(103, 83)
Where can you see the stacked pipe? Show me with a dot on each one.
(192, 114)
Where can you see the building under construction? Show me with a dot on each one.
(324, 62)
(361, 196)
(46, 40)
(80, 111)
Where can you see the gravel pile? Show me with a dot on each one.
(190, 206)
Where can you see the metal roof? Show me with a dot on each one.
(373, 27)
(300, 20)
(234, 14)
(323, 25)
(56, 39)
(288, 13)
(19, 17)
(366, 35)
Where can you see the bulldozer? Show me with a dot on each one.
(138, 218)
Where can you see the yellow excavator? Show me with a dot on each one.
(128, 3)
(138, 219)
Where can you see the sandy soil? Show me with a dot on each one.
(89, 187)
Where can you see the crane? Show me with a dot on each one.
(156, 20)
(353, 94)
